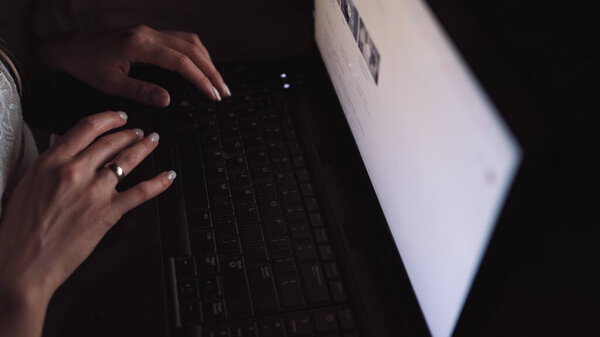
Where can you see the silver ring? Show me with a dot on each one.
(117, 170)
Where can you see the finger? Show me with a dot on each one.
(129, 158)
(138, 90)
(189, 37)
(107, 147)
(187, 46)
(125, 201)
(79, 137)
(174, 60)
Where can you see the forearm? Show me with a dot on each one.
(22, 312)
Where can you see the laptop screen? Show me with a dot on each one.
(439, 156)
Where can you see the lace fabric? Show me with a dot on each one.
(17, 148)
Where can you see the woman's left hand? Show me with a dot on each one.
(103, 60)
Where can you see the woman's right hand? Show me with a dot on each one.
(66, 203)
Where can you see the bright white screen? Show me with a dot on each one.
(439, 156)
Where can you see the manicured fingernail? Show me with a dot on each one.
(139, 132)
(171, 175)
(154, 137)
(122, 115)
(160, 98)
(227, 90)
(216, 93)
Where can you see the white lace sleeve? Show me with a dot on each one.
(17, 148)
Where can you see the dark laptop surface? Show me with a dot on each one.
(355, 204)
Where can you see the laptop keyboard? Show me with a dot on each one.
(261, 262)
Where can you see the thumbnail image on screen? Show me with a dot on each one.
(361, 35)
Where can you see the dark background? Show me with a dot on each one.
(540, 275)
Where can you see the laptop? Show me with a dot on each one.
(351, 194)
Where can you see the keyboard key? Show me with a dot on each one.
(233, 146)
(207, 264)
(247, 213)
(221, 207)
(243, 196)
(227, 244)
(265, 189)
(338, 291)
(299, 326)
(307, 189)
(190, 313)
(346, 319)
(233, 276)
(295, 148)
(262, 288)
(314, 281)
(278, 246)
(286, 179)
(325, 321)
(272, 133)
(290, 293)
(271, 329)
(257, 157)
(243, 331)
(187, 290)
(215, 332)
(303, 175)
(237, 163)
(281, 163)
(299, 161)
(202, 241)
(255, 251)
(311, 204)
(273, 225)
(211, 143)
(240, 178)
(216, 173)
(306, 251)
(290, 196)
(331, 270)
(250, 232)
(230, 131)
(316, 220)
(294, 213)
(184, 267)
(208, 287)
(218, 189)
(283, 264)
(215, 157)
(200, 219)
(269, 206)
(213, 310)
(321, 235)
(300, 231)
(262, 173)
(253, 142)
(225, 225)
(326, 253)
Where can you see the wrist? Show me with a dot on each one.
(22, 302)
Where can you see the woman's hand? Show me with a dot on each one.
(62, 208)
(103, 60)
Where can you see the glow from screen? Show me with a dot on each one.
(438, 154)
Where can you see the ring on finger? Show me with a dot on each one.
(117, 170)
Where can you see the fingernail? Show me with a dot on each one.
(154, 137)
(171, 175)
(122, 115)
(139, 132)
(160, 98)
(216, 92)
(227, 90)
